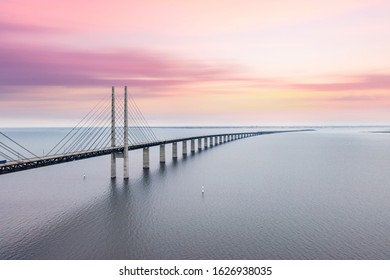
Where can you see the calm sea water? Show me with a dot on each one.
(306, 195)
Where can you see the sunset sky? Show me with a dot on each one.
(197, 62)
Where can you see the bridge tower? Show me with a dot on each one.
(114, 154)
(126, 140)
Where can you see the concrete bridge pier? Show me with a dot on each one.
(113, 165)
(199, 144)
(162, 153)
(211, 141)
(146, 158)
(205, 142)
(192, 146)
(174, 150)
(184, 148)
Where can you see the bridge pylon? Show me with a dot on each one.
(113, 144)
(114, 153)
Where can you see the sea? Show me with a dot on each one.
(322, 194)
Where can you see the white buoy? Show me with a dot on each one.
(84, 176)
(202, 190)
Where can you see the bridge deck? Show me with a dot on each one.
(30, 163)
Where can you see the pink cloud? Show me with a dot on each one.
(360, 82)
(15, 28)
(40, 66)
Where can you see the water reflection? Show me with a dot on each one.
(273, 197)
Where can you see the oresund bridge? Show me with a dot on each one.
(113, 127)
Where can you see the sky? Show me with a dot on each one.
(198, 62)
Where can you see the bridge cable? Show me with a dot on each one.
(88, 133)
(19, 145)
(12, 151)
(83, 131)
(132, 137)
(7, 156)
(143, 118)
(75, 127)
(139, 127)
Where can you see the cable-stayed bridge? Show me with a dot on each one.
(113, 127)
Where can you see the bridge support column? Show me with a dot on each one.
(174, 150)
(205, 142)
(146, 158)
(211, 141)
(113, 156)
(184, 149)
(199, 144)
(162, 153)
(126, 140)
(192, 145)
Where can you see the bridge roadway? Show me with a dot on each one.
(30, 163)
